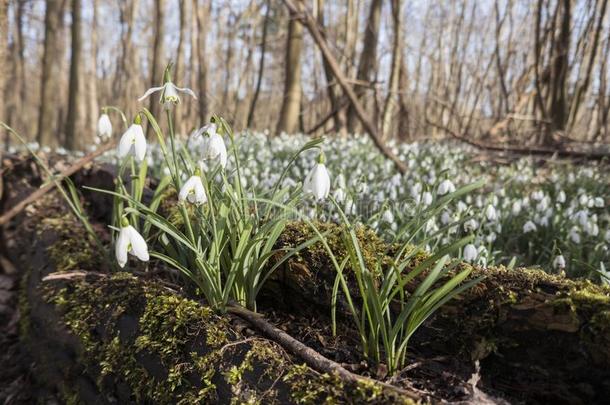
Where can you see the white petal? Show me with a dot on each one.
(200, 196)
(126, 141)
(138, 244)
(121, 247)
(140, 142)
(187, 91)
(223, 156)
(104, 126)
(187, 187)
(150, 91)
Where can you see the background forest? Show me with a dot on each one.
(526, 72)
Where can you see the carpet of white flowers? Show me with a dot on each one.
(554, 215)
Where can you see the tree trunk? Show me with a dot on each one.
(261, 67)
(48, 119)
(179, 71)
(126, 82)
(368, 61)
(157, 62)
(388, 107)
(92, 82)
(291, 103)
(74, 133)
(4, 55)
(334, 96)
(203, 16)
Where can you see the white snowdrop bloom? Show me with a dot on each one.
(490, 213)
(193, 191)
(583, 200)
(445, 187)
(461, 207)
(537, 195)
(339, 195)
(470, 253)
(471, 225)
(526, 202)
(213, 145)
(607, 235)
(543, 204)
(529, 226)
(516, 208)
(317, 182)
(561, 197)
(169, 92)
(130, 241)
(582, 217)
(559, 263)
(445, 217)
(491, 237)
(592, 228)
(598, 202)
(427, 198)
(574, 235)
(388, 216)
(133, 140)
(104, 127)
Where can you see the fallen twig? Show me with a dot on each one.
(7, 216)
(311, 357)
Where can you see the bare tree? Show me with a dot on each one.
(388, 106)
(157, 62)
(48, 125)
(368, 60)
(203, 16)
(74, 135)
(261, 65)
(291, 104)
(3, 54)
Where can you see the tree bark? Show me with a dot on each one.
(3, 56)
(368, 61)
(203, 16)
(74, 134)
(291, 104)
(261, 67)
(157, 62)
(48, 120)
(559, 72)
(388, 107)
(92, 82)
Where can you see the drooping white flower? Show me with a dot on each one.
(516, 208)
(470, 253)
(388, 216)
(471, 225)
(529, 226)
(104, 127)
(193, 191)
(427, 198)
(133, 139)
(317, 182)
(490, 213)
(169, 91)
(561, 197)
(339, 195)
(598, 202)
(574, 235)
(559, 262)
(130, 241)
(445, 187)
(213, 145)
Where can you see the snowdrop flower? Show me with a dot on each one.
(104, 127)
(461, 207)
(445, 218)
(317, 182)
(598, 202)
(470, 253)
(471, 225)
(130, 241)
(529, 226)
(561, 197)
(516, 208)
(427, 198)
(388, 216)
(559, 263)
(537, 195)
(169, 91)
(339, 195)
(490, 213)
(192, 190)
(574, 235)
(607, 235)
(445, 187)
(213, 144)
(134, 136)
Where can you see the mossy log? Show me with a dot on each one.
(538, 337)
(118, 338)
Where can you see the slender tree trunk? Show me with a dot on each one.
(332, 90)
(126, 87)
(388, 107)
(203, 16)
(559, 73)
(3, 56)
(74, 135)
(261, 67)
(179, 71)
(48, 116)
(404, 121)
(291, 104)
(92, 93)
(157, 63)
(368, 61)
